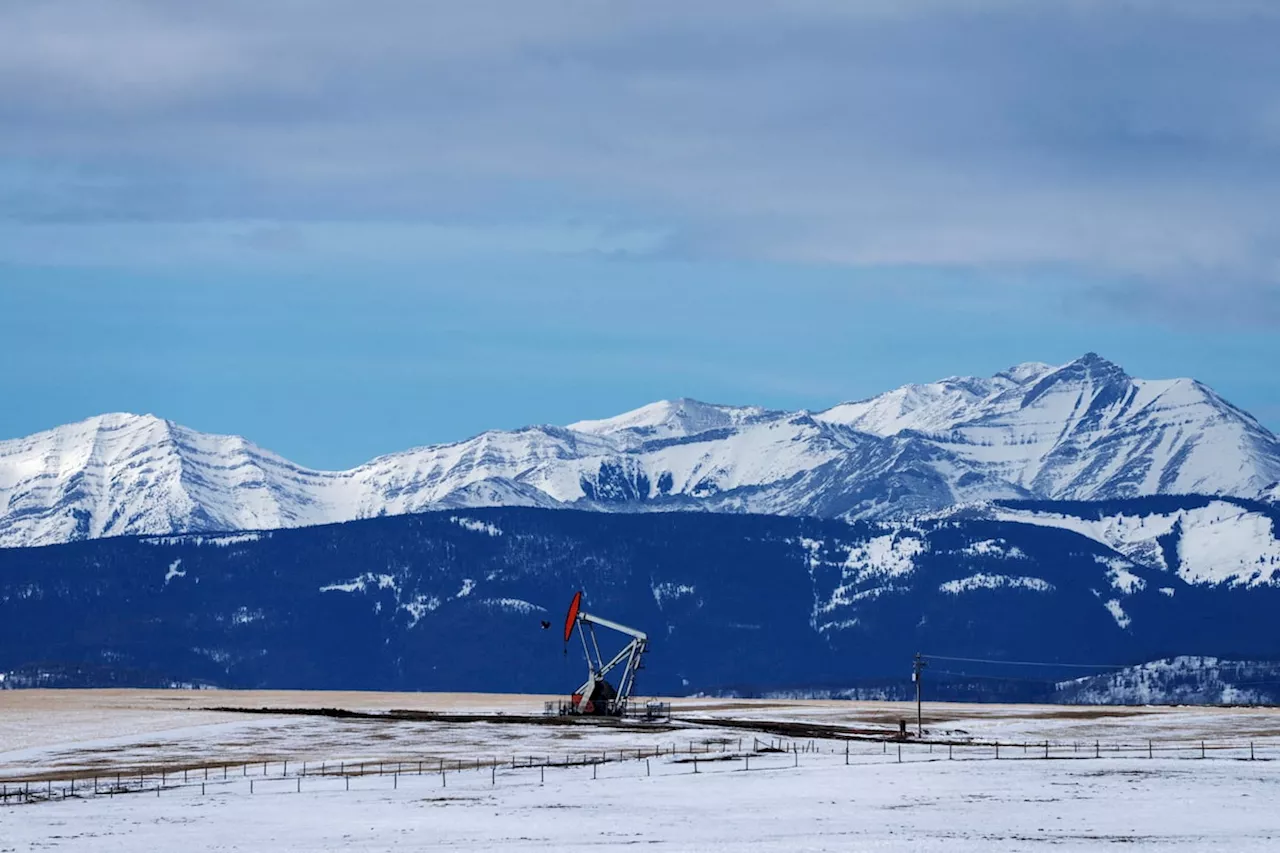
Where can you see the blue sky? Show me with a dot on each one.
(343, 229)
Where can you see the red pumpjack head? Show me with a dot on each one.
(574, 607)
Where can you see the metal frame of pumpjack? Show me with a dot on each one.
(631, 654)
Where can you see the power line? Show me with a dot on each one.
(994, 677)
(1032, 663)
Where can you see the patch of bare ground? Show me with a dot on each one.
(65, 733)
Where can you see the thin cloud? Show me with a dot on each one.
(1129, 140)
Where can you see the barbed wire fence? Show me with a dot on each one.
(690, 757)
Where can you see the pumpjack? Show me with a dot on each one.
(597, 696)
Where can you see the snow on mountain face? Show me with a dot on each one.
(1218, 542)
(1085, 430)
(119, 474)
(936, 407)
(1177, 681)
(124, 474)
(673, 419)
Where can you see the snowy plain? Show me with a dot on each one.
(527, 786)
(919, 805)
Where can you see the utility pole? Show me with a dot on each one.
(917, 668)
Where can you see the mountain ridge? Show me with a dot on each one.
(454, 600)
(1085, 430)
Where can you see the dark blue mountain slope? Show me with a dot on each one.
(455, 600)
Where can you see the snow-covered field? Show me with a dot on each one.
(526, 785)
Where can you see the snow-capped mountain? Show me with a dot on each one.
(119, 474)
(1085, 430)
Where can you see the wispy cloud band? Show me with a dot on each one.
(1135, 140)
